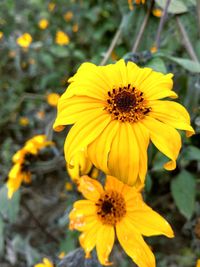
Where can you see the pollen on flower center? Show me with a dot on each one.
(127, 104)
(111, 207)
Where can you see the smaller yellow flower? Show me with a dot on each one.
(24, 121)
(68, 16)
(75, 27)
(198, 263)
(46, 263)
(153, 49)
(157, 12)
(62, 38)
(51, 6)
(68, 186)
(79, 165)
(130, 3)
(61, 255)
(117, 210)
(43, 24)
(1, 35)
(52, 99)
(24, 40)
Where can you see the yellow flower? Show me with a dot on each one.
(46, 263)
(22, 159)
(130, 3)
(75, 27)
(68, 15)
(43, 24)
(117, 111)
(157, 12)
(68, 186)
(154, 49)
(61, 255)
(117, 208)
(198, 263)
(79, 165)
(51, 6)
(52, 99)
(62, 38)
(24, 121)
(24, 40)
(1, 35)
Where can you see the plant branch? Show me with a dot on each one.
(186, 40)
(42, 228)
(142, 28)
(113, 43)
(161, 24)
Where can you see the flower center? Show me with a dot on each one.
(127, 104)
(111, 207)
(28, 159)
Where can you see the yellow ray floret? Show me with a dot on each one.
(116, 111)
(198, 263)
(117, 208)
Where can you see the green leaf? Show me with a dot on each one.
(175, 6)
(183, 192)
(187, 64)
(190, 153)
(157, 64)
(9, 207)
(59, 51)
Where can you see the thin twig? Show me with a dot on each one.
(42, 228)
(142, 28)
(186, 40)
(113, 43)
(161, 24)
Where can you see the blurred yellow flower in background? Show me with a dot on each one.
(68, 16)
(22, 159)
(52, 99)
(116, 210)
(62, 38)
(75, 27)
(23, 121)
(43, 24)
(198, 263)
(116, 111)
(46, 263)
(24, 40)
(157, 12)
(130, 3)
(51, 6)
(1, 35)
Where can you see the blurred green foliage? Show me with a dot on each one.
(34, 223)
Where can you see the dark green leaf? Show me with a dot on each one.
(183, 192)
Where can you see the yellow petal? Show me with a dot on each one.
(104, 244)
(178, 116)
(148, 222)
(90, 188)
(72, 109)
(157, 86)
(99, 153)
(88, 239)
(85, 132)
(142, 136)
(124, 155)
(134, 245)
(89, 81)
(164, 137)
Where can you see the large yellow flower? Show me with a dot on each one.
(198, 263)
(118, 208)
(117, 111)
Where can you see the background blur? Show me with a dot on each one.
(60, 35)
